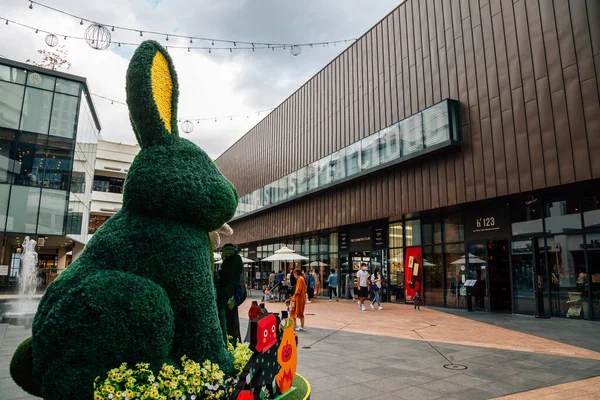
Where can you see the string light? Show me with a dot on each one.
(198, 120)
(164, 34)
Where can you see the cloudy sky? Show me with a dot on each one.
(211, 85)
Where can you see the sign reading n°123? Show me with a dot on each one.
(487, 224)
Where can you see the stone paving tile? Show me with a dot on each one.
(473, 394)
(418, 393)
(356, 392)
(386, 385)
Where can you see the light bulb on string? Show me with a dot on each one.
(230, 50)
(119, 44)
(213, 42)
(113, 29)
(188, 49)
(6, 22)
(209, 51)
(31, 5)
(141, 34)
(273, 48)
(65, 38)
(36, 31)
(81, 22)
(191, 41)
(167, 38)
(235, 44)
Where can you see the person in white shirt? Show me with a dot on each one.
(363, 285)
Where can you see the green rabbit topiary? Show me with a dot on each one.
(142, 290)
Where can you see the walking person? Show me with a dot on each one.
(362, 282)
(417, 301)
(376, 281)
(332, 281)
(311, 286)
(317, 283)
(349, 287)
(299, 300)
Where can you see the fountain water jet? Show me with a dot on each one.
(23, 311)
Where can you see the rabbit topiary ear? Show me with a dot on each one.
(152, 94)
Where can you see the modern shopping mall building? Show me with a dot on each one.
(455, 142)
(48, 137)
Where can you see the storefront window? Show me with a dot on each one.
(36, 111)
(435, 124)
(433, 268)
(338, 165)
(454, 230)
(10, 106)
(413, 233)
(570, 285)
(389, 144)
(369, 155)
(522, 254)
(353, 159)
(591, 211)
(68, 87)
(593, 256)
(333, 242)
(314, 246)
(10, 74)
(396, 291)
(4, 191)
(455, 276)
(325, 170)
(41, 81)
(396, 235)
(411, 135)
(432, 232)
(562, 216)
(324, 244)
(526, 216)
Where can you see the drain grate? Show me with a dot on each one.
(456, 367)
(306, 347)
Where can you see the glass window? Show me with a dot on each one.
(36, 111)
(593, 254)
(10, 74)
(302, 180)
(526, 216)
(353, 159)
(369, 155)
(314, 245)
(78, 182)
(333, 242)
(522, 255)
(266, 195)
(433, 268)
(272, 190)
(52, 212)
(64, 116)
(591, 211)
(569, 280)
(10, 104)
(396, 274)
(325, 170)
(435, 124)
(413, 233)
(96, 221)
(396, 235)
(68, 87)
(41, 81)
(432, 232)
(411, 135)
(25, 162)
(4, 192)
(312, 175)
(292, 188)
(257, 199)
(23, 209)
(282, 185)
(324, 244)
(338, 165)
(389, 144)
(455, 271)
(305, 246)
(562, 216)
(58, 163)
(454, 230)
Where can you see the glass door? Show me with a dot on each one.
(529, 276)
(477, 263)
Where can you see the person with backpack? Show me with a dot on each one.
(376, 282)
(332, 282)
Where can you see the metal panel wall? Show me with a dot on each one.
(526, 74)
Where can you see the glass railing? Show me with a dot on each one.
(431, 130)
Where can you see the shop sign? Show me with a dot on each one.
(360, 238)
(380, 237)
(343, 241)
(413, 273)
(487, 224)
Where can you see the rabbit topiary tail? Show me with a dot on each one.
(21, 368)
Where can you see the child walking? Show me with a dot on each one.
(417, 301)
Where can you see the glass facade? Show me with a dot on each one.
(48, 138)
(427, 131)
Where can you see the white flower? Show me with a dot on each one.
(110, 396)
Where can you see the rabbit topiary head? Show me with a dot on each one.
(170, 177)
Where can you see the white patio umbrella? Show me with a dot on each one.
(316, 264)
(472, 260)
(244, 260)
(285, 254)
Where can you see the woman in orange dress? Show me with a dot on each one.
(299, 299)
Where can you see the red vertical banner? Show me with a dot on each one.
(413, 273)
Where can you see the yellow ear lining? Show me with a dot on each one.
(162, 88)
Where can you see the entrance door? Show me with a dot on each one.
(529, 277)
(488, 264)
(499, 276)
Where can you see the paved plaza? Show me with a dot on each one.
(398, 353)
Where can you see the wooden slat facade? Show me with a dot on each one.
(526, 74)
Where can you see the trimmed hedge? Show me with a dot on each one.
(142, 290)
